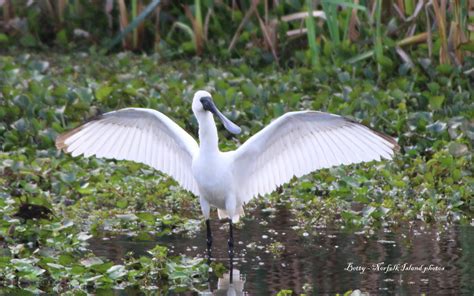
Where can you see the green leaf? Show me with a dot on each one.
(78, 270)
(436, 102)
(367, 211)
(433, 87)
(103, 92)
(250, 90)
(88, 262)
(28, 40)
(284, 293)
(66, 259)
(61, 38)
(54, 265)
(122, 204)
(101, 268)
(469, 46)
(116, 271)
(445, 69)
(94, 278)
(147, 217)
(3, 38)
(127, 217)
(385, 61)
(458, 149)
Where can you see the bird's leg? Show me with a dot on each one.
(209, 246)
(231, 250)
(209, 241)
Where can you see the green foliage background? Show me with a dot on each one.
(429, 109)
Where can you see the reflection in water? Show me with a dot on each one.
(274, 256)
(225, 288)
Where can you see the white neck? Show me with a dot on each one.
(208, 139)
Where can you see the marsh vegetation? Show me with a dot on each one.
(78, 225)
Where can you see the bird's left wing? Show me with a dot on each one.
(137, 134)
(298, 143)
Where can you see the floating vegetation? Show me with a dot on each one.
(51, 205)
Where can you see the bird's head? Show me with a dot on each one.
(203, 104)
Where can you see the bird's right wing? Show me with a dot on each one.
(137, 134)
(298, 143)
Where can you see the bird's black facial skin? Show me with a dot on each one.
(208, 104)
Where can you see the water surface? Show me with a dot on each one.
(407, 260)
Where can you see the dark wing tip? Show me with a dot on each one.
(61, 139)
(391, 140)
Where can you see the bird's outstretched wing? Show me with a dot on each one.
(298, 143)
(140, 135)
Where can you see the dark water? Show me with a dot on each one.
(409, 260)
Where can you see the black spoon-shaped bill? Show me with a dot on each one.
(209, 105)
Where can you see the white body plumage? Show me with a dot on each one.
(295, 144)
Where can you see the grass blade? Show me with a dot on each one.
(311, 33)
(378, 31)
(360, 57)
(197, 27)
(418, 38)
(185, 28)
(61, 6)
(123, 20)
(346, 4)
(134, 24)
(429, 35)
(441, 22)
(352, 26)
(409, 7)
(197, 9)
(7, 9)
(270, 39)
(135, 31)
(401, 7)
(404, 56)
(330, 10)
(302, 15)
(244, 21)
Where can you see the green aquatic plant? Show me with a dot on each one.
(429, 108)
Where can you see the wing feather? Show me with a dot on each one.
(376, 141)
(311, 146)
(318, 152)
(365, 145)
(140, 148)
(338, 150)
(119, 147)
(142, 135)
(354, 144)
(113, 138)
(88, 136)
(96, 141)
(146, 142)
(298, 143)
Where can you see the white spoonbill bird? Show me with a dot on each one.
(295, 144)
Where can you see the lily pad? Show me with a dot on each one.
(458, 149)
